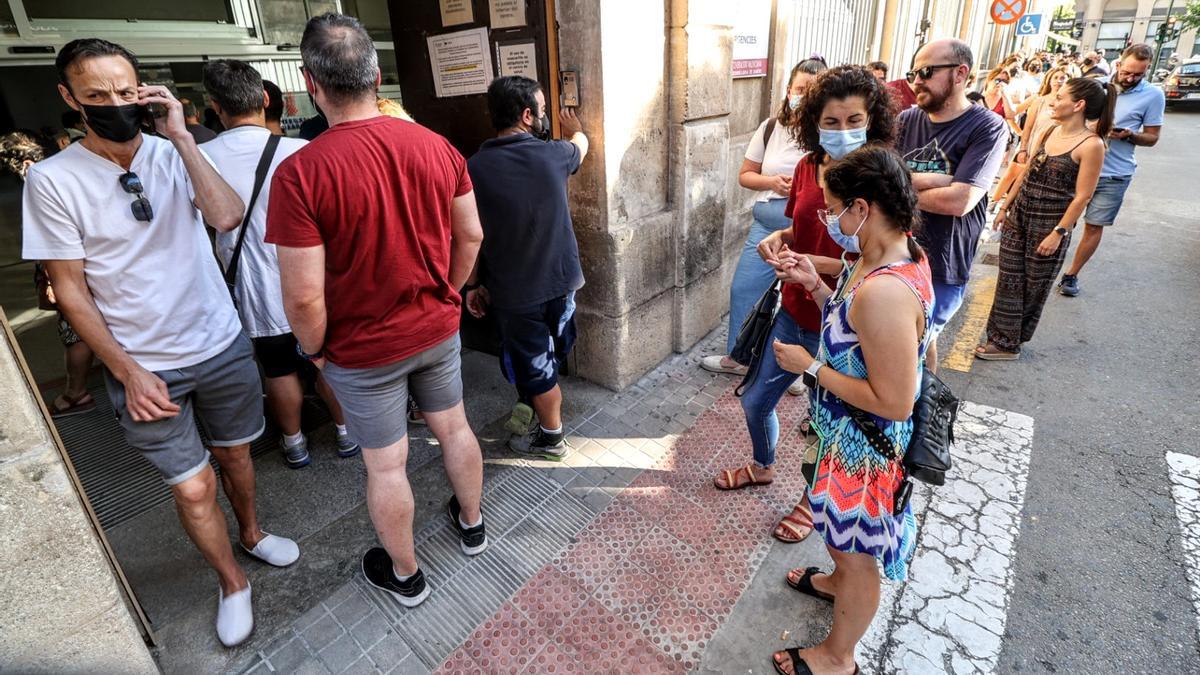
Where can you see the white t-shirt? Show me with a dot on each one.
(156, 284)
(260, 300)
(779, 158)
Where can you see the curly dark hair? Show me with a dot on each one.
(878, 175)
(840, 83)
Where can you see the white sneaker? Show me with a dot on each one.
(235, 617)
(277, 551)
(797, 388)
(714, 364)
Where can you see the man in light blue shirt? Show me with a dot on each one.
(1137, 120)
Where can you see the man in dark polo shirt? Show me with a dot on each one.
(529, 264)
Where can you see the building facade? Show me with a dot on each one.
(1113, 24)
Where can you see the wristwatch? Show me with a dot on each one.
(1062, 231)
(306, 356)
(810, 374)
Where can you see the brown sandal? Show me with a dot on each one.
(795, 526)
(991, 352)
(736, 479)
(65, 406)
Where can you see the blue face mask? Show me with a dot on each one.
(794, 101)
(833, 226)
(839, 143)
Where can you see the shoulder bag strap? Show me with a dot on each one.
(260, 177)
(767, 133)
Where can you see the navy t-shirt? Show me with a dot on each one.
(529, 250)
(970, 148)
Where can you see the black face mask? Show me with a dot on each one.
(117, 123)
(541, 128)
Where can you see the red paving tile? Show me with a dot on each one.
(609, 643)
(619, 527)
(588, 562)
(558, 659)
(662, 555)
(506, 642)
(709, 588)
(681, 630)
(458, 664)
(632, 593)
(550, 599)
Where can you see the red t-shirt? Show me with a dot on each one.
(377, 194)
(905, 98)
(808, 236)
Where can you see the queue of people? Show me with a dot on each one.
(886, 212)
(872, 196)
(309, 236)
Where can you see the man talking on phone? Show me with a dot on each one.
(1137, 120)
(119, 219)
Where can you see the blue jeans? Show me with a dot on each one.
(753, 276)
(769, 385)
(947, 299)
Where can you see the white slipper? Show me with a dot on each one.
(277, 551)
(235, 617)
(713, 365)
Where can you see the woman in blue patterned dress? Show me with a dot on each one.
(873, 340)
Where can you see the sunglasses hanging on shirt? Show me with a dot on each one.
(141, 206)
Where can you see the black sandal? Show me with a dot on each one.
(799, 663)
(804, 585)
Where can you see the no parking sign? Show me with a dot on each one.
(1005, 12)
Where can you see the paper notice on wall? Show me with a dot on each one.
(457, 12)
(461, 62)
(751, 38)
(518, 59)
(507, 13)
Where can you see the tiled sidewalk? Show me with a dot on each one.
(622, 558)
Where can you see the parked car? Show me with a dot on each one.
(1183, 84)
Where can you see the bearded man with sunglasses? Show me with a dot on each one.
(954, 150)
(119, 220)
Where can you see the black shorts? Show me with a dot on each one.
(277, 355)
(535, 341)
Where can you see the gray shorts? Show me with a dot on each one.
(375, 400)
(223, 393)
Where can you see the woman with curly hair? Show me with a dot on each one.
(844, 108)
(18, 152)
(767, 169)
(876, 330)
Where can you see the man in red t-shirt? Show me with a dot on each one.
(903, 93)
(376, 229)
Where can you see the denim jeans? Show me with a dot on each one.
(753, 276)
(769, 385)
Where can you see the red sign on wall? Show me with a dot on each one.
(1005, 12)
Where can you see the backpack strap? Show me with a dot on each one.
(767, 134)
(260, 177)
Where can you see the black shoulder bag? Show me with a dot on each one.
(260, 177)
(927, 457)
(752, 336)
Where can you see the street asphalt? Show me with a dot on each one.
(1111, 382)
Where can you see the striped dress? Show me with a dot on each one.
(853, 491)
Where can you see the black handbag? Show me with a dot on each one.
(752, 336)
(927, 457)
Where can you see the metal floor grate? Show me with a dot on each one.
(118, 481)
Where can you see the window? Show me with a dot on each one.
(193, 10)
(7, 25)
(1113, 35)
(374, 17)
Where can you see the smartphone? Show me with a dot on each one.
(1119, 130)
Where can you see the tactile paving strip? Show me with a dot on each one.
(645, 585)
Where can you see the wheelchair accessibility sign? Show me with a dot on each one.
(1005, 12)
(1029, 25)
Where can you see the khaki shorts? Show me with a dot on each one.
(375, 400)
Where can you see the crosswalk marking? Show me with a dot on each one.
(950, 615)
(1184, 473)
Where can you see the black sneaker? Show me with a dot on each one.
(540, 444)
(377, 568)
(474, 539)
(1069, 286)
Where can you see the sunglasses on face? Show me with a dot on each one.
(141, 206)
(927, 72)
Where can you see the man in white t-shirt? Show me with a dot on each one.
(119, 219)
(238, 97)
